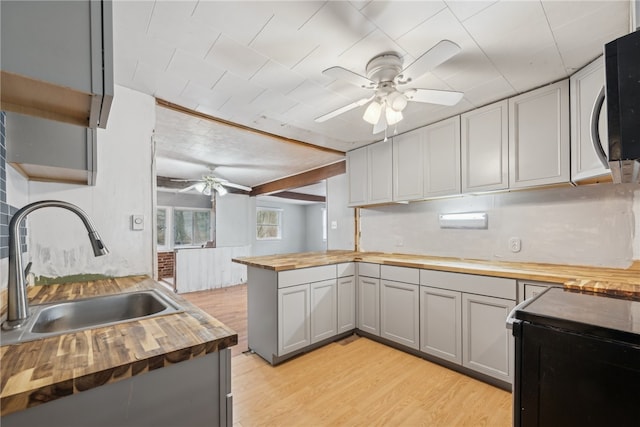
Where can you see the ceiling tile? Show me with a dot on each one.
(464, 9)
(277, 77)
(577, 44)
(489, 91)
(240, 20)
(234, 86)
(396, 18)
(186, 65)
(183, 33)
(170, 87)
(270, 101)
(134, 16)
(228, 54)
(142, 48)
(336, 26)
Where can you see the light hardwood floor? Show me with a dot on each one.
(355, 381)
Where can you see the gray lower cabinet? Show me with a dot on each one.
(487, 345)
(346, 304)
(399, 313)
(294, 322)
(441, 323)
(194, 392)
(369, 305)
(324, 319)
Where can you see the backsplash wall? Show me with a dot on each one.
(590, 225)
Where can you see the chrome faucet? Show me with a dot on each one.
(17, 305)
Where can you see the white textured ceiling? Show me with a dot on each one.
(259, 63)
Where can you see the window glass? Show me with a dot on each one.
(269, 223)
(191, 227)
(161, 224)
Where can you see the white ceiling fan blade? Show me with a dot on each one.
(349, 77)
(344, 109)
(238, 186)
(435, 56)
(189, 188)
(432, 96)
(382, 121)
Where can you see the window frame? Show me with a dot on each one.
(279, 226)
(190, 245)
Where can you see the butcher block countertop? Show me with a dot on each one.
(624, 282)
(40, 371)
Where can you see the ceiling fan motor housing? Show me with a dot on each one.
(384, 68)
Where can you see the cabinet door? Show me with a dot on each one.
(485, 144)
(441, 152)
(324, 302)
(585, 87)
(441, 323)
(399, 316)
(380, 172)
(539, 136)
(369, 305)
(487, 345)
(294, 330)
(357, 172)
(408, 166)
(346, 304)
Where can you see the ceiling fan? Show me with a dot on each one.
(210, 183)
(385, 75)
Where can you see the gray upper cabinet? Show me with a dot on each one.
(370, 174)
(67, 74)
(357, 173)
(46, 150)
(441, 151)
(379, 172)
(485, 145)
(408, 165)
(585, 85)
(539, 137)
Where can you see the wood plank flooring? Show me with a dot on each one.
(355, 381)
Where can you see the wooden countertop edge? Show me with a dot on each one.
(522, 271)
(47, 391)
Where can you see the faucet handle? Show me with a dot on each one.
(26, 272)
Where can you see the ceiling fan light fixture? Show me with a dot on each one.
(220, 189)
(396, 101)
(207, 190)
(393, 116)
(373, 112)
(200, 187)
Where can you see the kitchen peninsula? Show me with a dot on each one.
(167, 370)
(451, 311)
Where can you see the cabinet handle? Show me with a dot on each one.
(595, 135)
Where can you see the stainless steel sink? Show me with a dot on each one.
(64, 317)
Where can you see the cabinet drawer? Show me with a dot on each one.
(470, 283)
(400, 274)
(368, 269)
(346, 269)
(306, 275)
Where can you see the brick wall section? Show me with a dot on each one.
(165, 264)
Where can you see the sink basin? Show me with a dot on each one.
(64, 317)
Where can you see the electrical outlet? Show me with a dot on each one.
(515, 244)
(334, 225)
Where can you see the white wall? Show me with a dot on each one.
(58, 243)
(591, 225)
(233, 220)
(294, 235)
(314, 240)
(341, 237)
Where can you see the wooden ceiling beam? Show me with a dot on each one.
(300, 196)
(300, 180)
(181, 109)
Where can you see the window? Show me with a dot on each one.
(269, 223)
(161, 224)
(191, 227)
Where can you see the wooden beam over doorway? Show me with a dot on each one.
(300, 180)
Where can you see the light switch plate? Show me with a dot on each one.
(137, 222)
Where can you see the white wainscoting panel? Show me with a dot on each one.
(198, 269)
